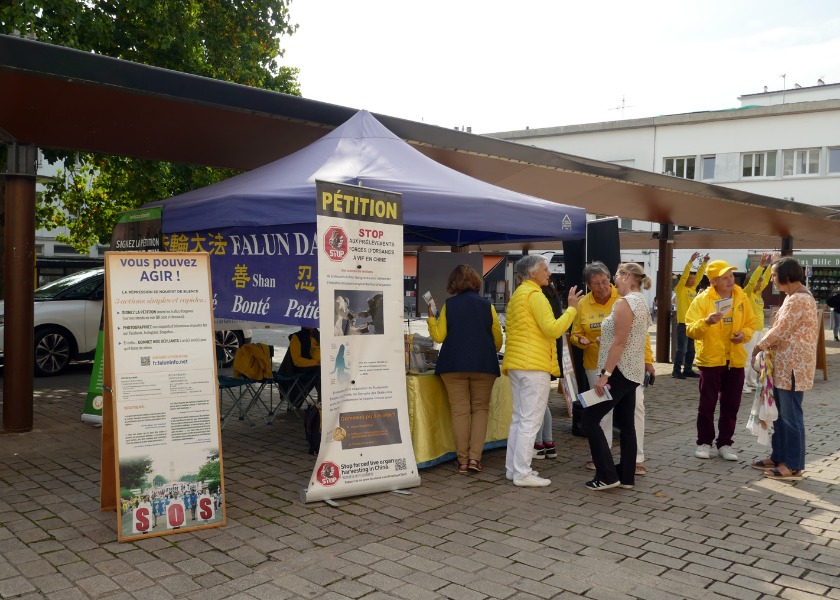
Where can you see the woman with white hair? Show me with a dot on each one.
(530, 360)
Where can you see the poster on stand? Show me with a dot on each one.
(165, 419)
(365, 437)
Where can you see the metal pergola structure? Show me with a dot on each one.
(55, 97)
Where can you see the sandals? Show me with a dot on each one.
(764, 464)
(794, 475)
(474, 465)
(641, 470)
(463, 469)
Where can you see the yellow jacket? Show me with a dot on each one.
(685, 293)
(252, 361)
(587, 324)
(712, 346)
(531, 331)
(753, 290)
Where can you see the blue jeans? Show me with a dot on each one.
(789, 431)
(684, 358)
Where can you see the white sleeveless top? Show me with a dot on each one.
(632, 361)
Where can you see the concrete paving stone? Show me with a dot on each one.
(603, 592)
(459, 592)
(15, 586)
(133, 581)
(98, 585)
(427, 581)
(50, 583)
(757, 585)
(532, 559)
(733, 557)
(68, 594)
(730, 591)
(410, 591)
(19, 554)
(708, 572)
(792, 594)
(832, 568)
(767, 561)
(77, 570)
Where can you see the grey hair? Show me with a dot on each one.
(595, 268)
(526, 265)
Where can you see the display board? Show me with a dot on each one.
(164, 417)
(365, 435)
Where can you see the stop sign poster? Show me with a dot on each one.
(159, 319)
(365, 437)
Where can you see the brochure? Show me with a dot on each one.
(591, 397)
(723, 306)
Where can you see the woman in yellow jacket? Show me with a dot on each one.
(530, 360)
(721, 322)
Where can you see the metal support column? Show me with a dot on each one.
(663, 293)
(19, 333)
(787, 246)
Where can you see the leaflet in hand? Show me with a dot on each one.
(591, 397)
(723, 306)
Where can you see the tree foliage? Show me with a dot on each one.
(230, 40)
(133, 472)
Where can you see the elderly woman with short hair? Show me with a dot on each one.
(530, 360)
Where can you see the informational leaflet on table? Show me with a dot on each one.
(365, 437)
(169, 474)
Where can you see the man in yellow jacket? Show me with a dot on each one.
(686, 291)
(720, 321)
(530, 360)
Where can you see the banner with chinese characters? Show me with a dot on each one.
(365, 437)
(165, 412)
(262, 274)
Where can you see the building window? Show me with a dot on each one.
(834, 160)
(680, 167)
(626, 224)
(801, 162)
(759, 164)
(708, 167)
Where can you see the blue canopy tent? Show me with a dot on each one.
(270, 212)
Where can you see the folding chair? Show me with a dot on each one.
(294, 389)
(250, 365)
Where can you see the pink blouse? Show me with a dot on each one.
(793, 340)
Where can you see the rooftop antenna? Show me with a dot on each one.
(622, 106)
(820, 80)
(784, 85)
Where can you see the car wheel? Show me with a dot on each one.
(53, 349)
(230, 341)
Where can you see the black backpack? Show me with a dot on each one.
(312, 428)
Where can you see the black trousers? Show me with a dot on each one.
(623, 405)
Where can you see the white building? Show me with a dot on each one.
(783, 144)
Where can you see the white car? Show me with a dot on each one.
(68, 312)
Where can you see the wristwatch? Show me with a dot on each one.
(605, 372)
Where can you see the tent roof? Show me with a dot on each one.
(440, 205)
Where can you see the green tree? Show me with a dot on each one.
(231, 40)
(158, 481)
(133, 472)
(210, 473)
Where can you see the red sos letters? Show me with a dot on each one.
(141, 518)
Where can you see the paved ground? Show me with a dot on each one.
(690, 529)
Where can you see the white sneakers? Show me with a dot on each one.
(725, 452)
(531, 480)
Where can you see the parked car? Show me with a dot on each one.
(67, 317)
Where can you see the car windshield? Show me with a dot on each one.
(55, 288)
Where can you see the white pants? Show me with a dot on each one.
(638, 417)
(529, 390)
(750, 374)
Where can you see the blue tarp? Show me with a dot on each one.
(441, 205)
